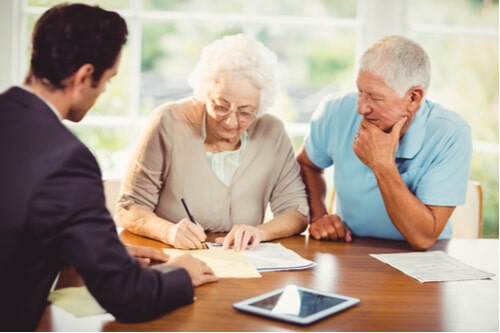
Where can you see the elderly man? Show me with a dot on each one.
(401, 161)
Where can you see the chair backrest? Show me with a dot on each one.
(467, 219)
(331, 202)
(111, 191)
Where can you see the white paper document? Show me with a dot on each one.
(275, 257)
(247, 264)
(224, 263)
(432, 266)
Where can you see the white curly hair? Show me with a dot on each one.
(244, 55)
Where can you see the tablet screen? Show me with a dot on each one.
(296, 304)
(302, 304)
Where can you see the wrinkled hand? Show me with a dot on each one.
(197, 269)
(374, 146)
(330, 227)
(241, 237)
(145, 254)
(186, 235)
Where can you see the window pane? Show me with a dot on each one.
(115, 100)
(463, 79)
(169, 53)
(315, 62)
(109, 145)
(203, 6)
(310, 8)
(471, 13)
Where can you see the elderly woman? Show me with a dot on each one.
(221, 153)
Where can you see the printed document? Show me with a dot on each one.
(432, 266)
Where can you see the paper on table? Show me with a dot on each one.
(224, 263)
(76, 300)
(432, 266)
(276, 257)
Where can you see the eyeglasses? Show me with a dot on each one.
(244, 113)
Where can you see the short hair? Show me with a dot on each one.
(68, 36)
(400, 62)
(237, 53)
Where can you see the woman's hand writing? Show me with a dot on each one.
(186, 235)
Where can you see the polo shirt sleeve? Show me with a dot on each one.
(445, 182)
(316, 142)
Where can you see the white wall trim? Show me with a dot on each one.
(9, 11)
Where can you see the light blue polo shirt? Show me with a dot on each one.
(433, 159)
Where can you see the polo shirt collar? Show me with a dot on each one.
(413, 139)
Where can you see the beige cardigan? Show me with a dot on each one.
(170, 163)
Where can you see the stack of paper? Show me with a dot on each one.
(264, 258)
(276, 257)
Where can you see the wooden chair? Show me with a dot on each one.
(467, 219)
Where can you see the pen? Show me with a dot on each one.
(191, 217)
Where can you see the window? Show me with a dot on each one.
(318, 43)
(462, 40)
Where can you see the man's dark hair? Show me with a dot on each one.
(68, 36)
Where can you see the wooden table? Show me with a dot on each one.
(390, 300)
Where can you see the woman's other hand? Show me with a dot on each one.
(241, 237)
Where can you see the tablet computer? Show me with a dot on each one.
(296, 304)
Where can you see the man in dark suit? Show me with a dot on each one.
(52, 207)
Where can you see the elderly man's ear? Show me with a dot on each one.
(415, 96)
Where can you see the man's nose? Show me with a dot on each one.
(363, 107)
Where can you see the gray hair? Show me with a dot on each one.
(400, 62)
(244, 55)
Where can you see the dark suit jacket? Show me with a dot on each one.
(53, 214)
